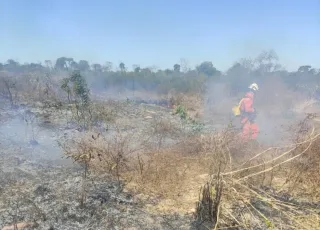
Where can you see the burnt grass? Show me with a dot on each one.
(49, 197)
(47, 194)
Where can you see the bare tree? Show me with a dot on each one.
(184, 64)
(8, 88)
(48, 64)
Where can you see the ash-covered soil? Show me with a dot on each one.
(49, 198)
(42, 190)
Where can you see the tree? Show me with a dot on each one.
(83, 65)
(176, 68)
(10, 87)
(267, 57)
(306, 75)
(168, 71)
(34, 66)
(70, 63)
(12, 62)
(238, 77)
(60, 63)
(77, 86)
(266, 62)
(184, 65)
(122, 67)
(74, 65)
(66, 87)
(12, 65)
(146, 72)
(153, 68)
(304, 69)
(97, 67)
(107, 67)
(136, 68)
(208, 69)
(48, 64)
(247, 63)
(64, 63)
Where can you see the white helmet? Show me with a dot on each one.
(254, 87)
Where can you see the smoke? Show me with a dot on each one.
(274, 101)
(218, 104)
(275, 104)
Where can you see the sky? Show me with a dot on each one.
(160, 33)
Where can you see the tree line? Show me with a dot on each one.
(180, 77)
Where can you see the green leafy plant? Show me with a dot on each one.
(195, 126)
(181, 111)
(65, 87)
(76, 85)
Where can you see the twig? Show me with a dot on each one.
(269, 169)
(270, 161)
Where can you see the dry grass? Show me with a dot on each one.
(175, 173)
(166, 172)
(303, 174)
(160, 131)
(193, 103)
(31, 88)
(239, 199)
(243, 189)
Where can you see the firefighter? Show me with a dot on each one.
(248, 114)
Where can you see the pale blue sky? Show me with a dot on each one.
(160, 32)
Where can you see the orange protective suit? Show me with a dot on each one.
(249, 128)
